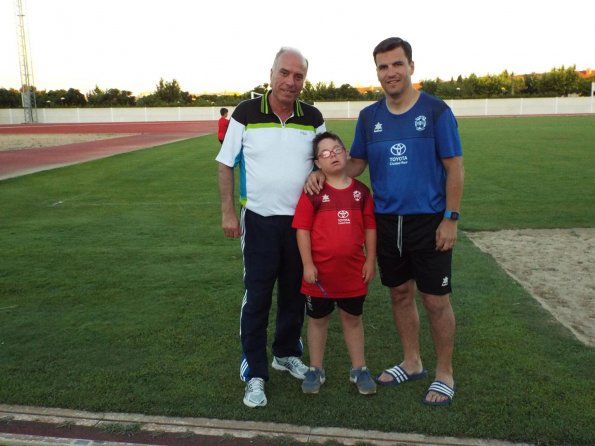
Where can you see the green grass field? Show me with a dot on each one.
(118, 292)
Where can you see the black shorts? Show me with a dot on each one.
(407, 250)
(319, 307)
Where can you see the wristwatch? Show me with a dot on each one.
(452, 215)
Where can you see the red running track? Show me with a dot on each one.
(15, 163)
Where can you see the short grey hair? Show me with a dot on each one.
(287, 49)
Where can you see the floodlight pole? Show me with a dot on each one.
(26, 68)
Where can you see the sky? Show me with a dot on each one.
(228, 45)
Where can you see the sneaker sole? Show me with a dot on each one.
(314, 392)
(254, 405)
(282, 368)
(311, 392)
(363, 392)
(367, 392)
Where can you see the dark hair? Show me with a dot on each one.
(390, 44)
(223, 111)
(320, 137)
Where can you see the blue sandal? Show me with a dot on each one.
(399, 375)
(442, 389)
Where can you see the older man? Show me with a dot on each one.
(270, 139)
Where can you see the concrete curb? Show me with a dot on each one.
(211, 427)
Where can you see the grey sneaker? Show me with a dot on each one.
(363, 380)
(254, 395)
(291, 364)
(315, 377)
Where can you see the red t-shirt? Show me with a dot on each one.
(337, 220)
(223, 124)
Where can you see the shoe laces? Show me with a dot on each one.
(362, 372)
(256, 385)
(295, 362)
(313, 371)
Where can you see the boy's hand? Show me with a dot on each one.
(314, 183)
(369, 271)
(310, 273)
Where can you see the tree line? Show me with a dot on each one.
(557, 82)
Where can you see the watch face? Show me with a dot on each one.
(454, 215)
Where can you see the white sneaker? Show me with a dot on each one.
(291, 364)
(254, 395)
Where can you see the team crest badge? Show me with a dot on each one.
(420, 123)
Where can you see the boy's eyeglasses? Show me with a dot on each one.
(337, 150)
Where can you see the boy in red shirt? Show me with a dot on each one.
(223, 124)
(333, 228)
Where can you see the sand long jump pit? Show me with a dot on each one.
(557, 266)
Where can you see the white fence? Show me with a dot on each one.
(124, 114)
(330, 110)
(481, 107)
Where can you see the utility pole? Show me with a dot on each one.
(26, 67)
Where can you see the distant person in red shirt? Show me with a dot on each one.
(336, 235)
(223, 124)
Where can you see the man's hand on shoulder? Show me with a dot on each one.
(314, 183)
